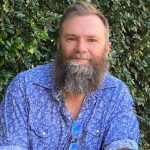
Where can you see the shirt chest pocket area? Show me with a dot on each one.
(43, 136)
(93, 136)
(40, 131)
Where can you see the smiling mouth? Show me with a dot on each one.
(80, 60)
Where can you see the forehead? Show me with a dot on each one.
(83, 25)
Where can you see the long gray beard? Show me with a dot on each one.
(80, 78)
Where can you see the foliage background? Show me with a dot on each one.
(28, 36)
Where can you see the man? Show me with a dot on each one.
(72, 103)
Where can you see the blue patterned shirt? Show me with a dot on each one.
(33, 115)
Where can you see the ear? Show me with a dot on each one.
(108, 48)
(58, 44)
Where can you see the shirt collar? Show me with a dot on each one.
(48, 82)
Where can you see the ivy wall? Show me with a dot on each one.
(29, 32)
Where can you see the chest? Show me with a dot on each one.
(51, 127)
(50, 123)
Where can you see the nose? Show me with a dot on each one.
(81, 46)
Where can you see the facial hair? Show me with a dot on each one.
(79, 78)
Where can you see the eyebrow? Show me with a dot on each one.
(91, 36)
(68, 35)
(73, 35)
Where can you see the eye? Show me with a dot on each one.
(92, 40)
(71, 39)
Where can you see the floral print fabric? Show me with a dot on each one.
(33, 115)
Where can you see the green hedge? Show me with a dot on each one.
(29, 31)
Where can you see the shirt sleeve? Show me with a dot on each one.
(123, 129)
(13, 117)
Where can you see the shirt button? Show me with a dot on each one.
(43, 133)
(97, 131)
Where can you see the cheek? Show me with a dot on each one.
(67, 50)
(97, 51)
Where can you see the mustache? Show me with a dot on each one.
(80, 56)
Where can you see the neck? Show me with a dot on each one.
(76, 97)
(74, 103)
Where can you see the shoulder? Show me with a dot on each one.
(110, 81)
(38, 71)
(115, 90)
(41, 75)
